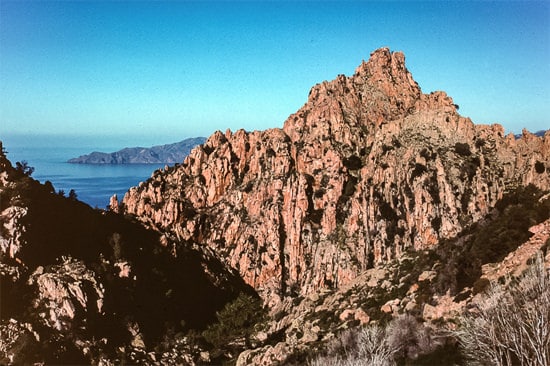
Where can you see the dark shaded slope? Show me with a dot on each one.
(492, 239)
(171, 284)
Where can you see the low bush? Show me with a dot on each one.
(401, 342)
(511, 324)
(237, 321)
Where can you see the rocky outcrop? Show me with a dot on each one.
(517, 261)
(85, 286)
(538, 133)
(161, 154)
(11, 240)
(15, 333)
(65, 293)
(367, 168)
(401, 286)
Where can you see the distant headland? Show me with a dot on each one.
(169, 154)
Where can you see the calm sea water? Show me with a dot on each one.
(93, 184)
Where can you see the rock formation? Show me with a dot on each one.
(66, 292)
(78, 285)
(367, 168)
(374, 200)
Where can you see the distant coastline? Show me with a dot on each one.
(160, 154)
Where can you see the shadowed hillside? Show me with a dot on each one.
(80, 275)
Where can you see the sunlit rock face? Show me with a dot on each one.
(66, 293)
(368, 167)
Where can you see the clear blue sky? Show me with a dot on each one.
(157, 72)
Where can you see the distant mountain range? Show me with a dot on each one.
(538, 133)
(170, 154)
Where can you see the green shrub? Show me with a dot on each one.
(349, 188)
(418, 170)
(23, 168)
(353, 162)
(237, 321)
(462, 149)
(480, 285)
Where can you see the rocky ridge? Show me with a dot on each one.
(401, 286)
(368, 168)
(373, 201)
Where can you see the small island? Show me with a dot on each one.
(160, 154)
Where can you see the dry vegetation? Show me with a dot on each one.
(508, 325)
(511, 324)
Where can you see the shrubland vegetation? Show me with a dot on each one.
(236, 323)
(490, 241)
(509, 325)
(402, 341)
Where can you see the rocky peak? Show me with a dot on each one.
(387, 70)
(381, 89)
(367, 168)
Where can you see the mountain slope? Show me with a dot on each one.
(367, 168)
(80, 285)
(169, 154)
(374, 201)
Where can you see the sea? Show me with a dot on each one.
(93, 184)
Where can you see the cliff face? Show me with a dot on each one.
(368, 167)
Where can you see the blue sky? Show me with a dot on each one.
(157, 72)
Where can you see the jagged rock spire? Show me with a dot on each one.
(367, 168)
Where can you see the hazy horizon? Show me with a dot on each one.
(105, 143)
(150, 73)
